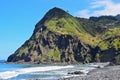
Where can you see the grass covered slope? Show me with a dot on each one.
(110, 39)
(64, 23)
(60, 37)
(110, 46)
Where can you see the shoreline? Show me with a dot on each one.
(106, 73)
(101, 71)
(62, 63)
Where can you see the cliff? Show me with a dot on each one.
(60, 37)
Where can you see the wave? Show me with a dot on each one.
(15, 73)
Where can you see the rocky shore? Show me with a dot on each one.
(107, 73)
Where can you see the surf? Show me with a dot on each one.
(17, 72)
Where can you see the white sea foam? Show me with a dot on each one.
(8, 74)
(11, 74)
(84, 71)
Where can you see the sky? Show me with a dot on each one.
(18, 17)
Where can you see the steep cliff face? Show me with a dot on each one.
(110, 46)
(55, 39)
(60, 37)
(52, 47)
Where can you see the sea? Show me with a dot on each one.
(40, 71)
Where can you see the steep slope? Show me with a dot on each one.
(61, 22)
(56, 38)
(99, 25)
(60, 37)
(110, 46)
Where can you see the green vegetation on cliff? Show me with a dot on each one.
(60, 37)
(110, 39)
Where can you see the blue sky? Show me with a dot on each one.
(18, 17)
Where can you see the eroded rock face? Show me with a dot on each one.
(60, 37)
(52, 47)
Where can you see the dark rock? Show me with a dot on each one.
(76, 72)
(60, 37)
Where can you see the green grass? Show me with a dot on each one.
(64, 27)
(24, 50)
(116, 43)
(104, 45)
(71, 26)
(52, 55)
(110, 39)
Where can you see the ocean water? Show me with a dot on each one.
(39, 71)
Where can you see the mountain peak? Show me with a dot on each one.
(60, 37)
(56, 13)
(56, 9)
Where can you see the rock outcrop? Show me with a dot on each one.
(60, 37)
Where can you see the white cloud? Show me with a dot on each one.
(100, 7)
(99, 3)
(83, 13)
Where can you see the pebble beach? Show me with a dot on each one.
(106, 73)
